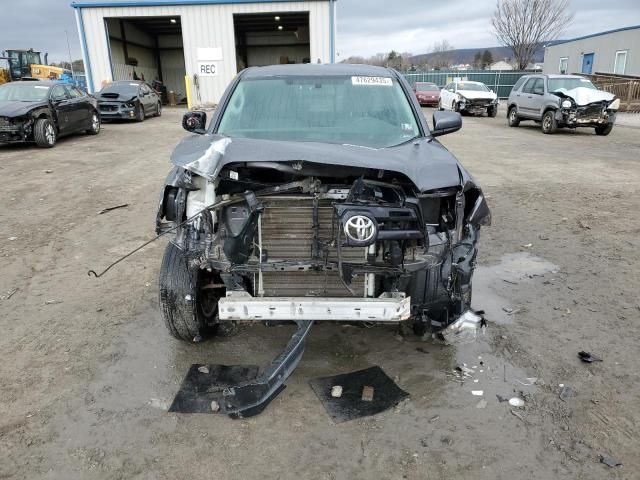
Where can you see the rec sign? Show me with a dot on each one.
(207, 69)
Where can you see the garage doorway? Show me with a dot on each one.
(149, 49)
(271, 38)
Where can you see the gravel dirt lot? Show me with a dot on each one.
(88, 370)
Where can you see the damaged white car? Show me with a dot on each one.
(474, 98)
(316, 193)
(557, 101)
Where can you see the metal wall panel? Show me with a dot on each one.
(603, 47)
(202, 26)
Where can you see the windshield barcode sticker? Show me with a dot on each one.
(376, 81)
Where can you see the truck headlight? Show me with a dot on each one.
(566, 104)
(615, 105)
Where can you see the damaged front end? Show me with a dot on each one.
(289, 242)
(585, 107)
(477, 106)
(279, 243)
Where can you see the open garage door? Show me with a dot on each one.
(271, 38)
(150, 49)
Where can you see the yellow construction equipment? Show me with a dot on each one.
(20, 62)
(48, 72)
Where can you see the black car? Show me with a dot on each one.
(317, 193)
(128, 100)
(42, 111)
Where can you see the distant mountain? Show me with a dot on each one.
(466, 55)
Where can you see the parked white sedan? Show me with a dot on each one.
(470, 97)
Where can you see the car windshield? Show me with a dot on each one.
(474, 87)
(426, 87)
(23, 92)
(124, 89)
(366, 111)
(556, 84)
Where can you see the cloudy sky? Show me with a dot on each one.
(365, 27)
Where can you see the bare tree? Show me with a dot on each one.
(441, 54)
(523, 25)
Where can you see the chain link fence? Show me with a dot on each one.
(500, 81)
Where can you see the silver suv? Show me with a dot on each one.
(558, 101)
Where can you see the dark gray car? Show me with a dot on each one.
(128, 100)
(558, 101)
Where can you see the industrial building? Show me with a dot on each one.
(206, 41)
(611, 52)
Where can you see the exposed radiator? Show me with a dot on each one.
(287, 234)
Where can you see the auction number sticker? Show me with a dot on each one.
(376, 81)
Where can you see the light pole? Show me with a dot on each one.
(73, 75)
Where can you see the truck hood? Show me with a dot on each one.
(18, 109)
(424, 161)
(474, 94)
(585, 96)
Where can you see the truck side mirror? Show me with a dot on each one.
(446, 122)
(195, 122)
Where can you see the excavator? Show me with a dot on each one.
(27, 65)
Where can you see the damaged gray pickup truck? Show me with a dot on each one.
(317, 193)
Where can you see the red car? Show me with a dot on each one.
(427, 93)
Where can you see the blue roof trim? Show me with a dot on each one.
(560, 42)
(163, 3)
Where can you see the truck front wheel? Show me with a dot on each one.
(188, 297)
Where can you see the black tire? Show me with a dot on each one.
(492, 111)
(604, 130)
(158, 109)
(512, 117)
(549, 123)
(95, 124)
(440, 105)
(189, 312)
(44, 133)
(455, 106)
(140, 113)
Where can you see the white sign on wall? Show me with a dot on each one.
(209, 53)
(207, 68)
(208, 58)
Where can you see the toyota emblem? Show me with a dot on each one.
(360, 228)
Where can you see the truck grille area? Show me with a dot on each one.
(287, 231)
(288, 234)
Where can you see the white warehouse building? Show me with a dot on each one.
(207, 41)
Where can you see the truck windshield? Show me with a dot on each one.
(23, 92)
(556, 84)
(366, 111)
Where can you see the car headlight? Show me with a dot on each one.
(615, 105)
(566, 104)
(129, 105)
